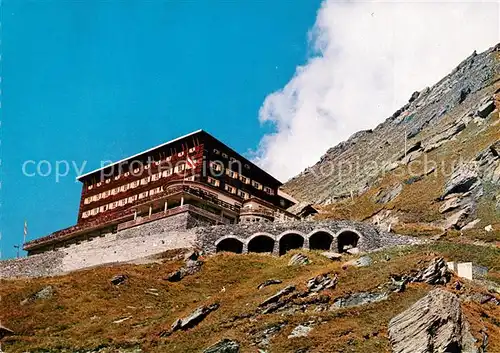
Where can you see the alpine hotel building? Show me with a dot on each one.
(195, 174)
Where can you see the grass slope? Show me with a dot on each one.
(81, 314)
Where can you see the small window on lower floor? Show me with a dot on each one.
(230, 189)
(213, 181)
(243, 194)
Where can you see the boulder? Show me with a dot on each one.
(268, 283)
(433, 324)
(299, 260)
(353, 251)
(457, 220)
(485, 109)
(321, 282)
(4, 331)
(358, 299)
(462, 180)
(471, 225)
(273, 299)
(194, 318)
(224, 346)
(176, 276)
(192, 255)
(300, 331)
(449, 205)
(192, 266)
(361, 262)
(388, 194)
(44, 293)
(118, 279)
(436, 273)
(332, 255)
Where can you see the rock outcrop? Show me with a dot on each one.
(224, 346)
(433, 324)
(192, 319)
(442, 112)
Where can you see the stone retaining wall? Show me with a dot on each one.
(184, 231)
(46, 264)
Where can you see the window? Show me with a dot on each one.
(96, 197)
(190, 178)
(268, 190)
(155, 191)
(213, 181)
(113, 205)
(87, 200)
(147, 166)
(108, 181)
(257, 185)
(117, 177)
(136, 171)
(166, 173)
(168, 159)
(243, 194)
(156, 177)
(122, 202)
(94, 211)
(90, 187)
(106, 194)
(216, 151)
(85, 214)
(180, 154)
(216, 166)
(192, 150)
(132, 199)
(143, 195)
(144, 181)
(126, 174)
(99, 184)
(103, 208)
(115, 191)
(124, 187)
(179, 168)
(230, 189)
(224, 155)
(244, 179)
(232, 174)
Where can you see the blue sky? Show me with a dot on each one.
(99, 80)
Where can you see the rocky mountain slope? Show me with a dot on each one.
(449, 177)
(396, 300)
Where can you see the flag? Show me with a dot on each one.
(25, 229)
(190, 163)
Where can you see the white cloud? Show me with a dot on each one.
(371, 56)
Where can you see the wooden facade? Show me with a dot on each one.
(195, 169)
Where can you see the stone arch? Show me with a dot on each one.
(229, 244)
(261, 243)
(346, 239)
(321, 239)
(290, 240)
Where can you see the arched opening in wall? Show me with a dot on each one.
(290, 241)
(320, 241)
(230, 245)
(261, 244)
(347, 240)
